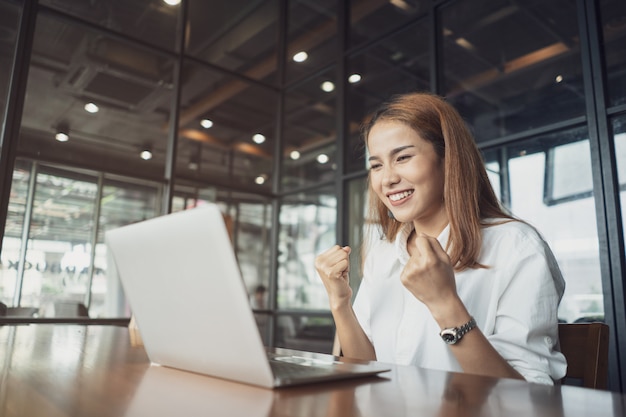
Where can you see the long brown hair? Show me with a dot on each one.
(468, 196)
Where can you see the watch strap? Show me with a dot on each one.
(466, 327)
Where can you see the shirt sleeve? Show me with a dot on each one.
(526, 326)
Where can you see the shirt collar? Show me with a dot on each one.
(402, 237)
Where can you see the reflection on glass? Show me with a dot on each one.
(311, 36)
(227, 130)
(394, 65)
(568, 224)
(10, 16)
(72, 67)
(512, 67)
(370, 19)
(307, 228)
(152, 21)
(309, 132)
(239, 35)
(613, 20)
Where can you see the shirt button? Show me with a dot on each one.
(548, 340)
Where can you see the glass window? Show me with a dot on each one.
(227, 129)
(542, 193)
(239, 35)
(96, 101)
(358, 223)
(306, 332)
(123, 202)
(152, 21)
(395, 65)
(307, 228)
(311, 37)
(249, 218)
(11, 241)
(370, 19)
(59, 269)
(509, 67)
(613, 20)
(310, 132)
(9, 21)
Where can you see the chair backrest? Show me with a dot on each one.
(70, 309)
(586, 348)
(22, 312)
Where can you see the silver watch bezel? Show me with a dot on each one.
(452, 335)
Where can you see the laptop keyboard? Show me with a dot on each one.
(285, 369)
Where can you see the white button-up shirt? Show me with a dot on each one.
(514, 302)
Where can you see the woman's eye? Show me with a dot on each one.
(403, 157)
(375, 166)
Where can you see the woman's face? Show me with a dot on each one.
(407, 175)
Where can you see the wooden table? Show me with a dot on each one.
(75, 370)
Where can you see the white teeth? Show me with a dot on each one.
(400, 196)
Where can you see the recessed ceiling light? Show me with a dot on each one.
(354, 78)
(206, 123)
(327, 86)
(295, 155)
(62, 137)
(300, 56)
(146, 154)
(559, 78)
(260, 179)
(91, 108)
(62, 132)
(258, 138)
(322, 158)
(172, 2)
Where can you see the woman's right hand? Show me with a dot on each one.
(333, 267)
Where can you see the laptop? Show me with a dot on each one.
(183, 285)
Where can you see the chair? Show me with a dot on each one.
(70, 309)
(22, 312)
(6, 311)
(586, 348)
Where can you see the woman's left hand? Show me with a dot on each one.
(429, 275)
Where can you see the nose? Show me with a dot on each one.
(390, 177)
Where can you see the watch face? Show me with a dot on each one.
(449, 336)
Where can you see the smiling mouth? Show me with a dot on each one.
(400, 196)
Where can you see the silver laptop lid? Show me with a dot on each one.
(184, 287)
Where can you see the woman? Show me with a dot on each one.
(454, 282)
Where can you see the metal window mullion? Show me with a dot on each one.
(94, 238)
(9, 133)
(606, 187)
(172, 137)
(617, 293)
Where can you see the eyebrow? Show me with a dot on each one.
(393, 152)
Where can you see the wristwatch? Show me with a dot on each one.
(454, 334)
